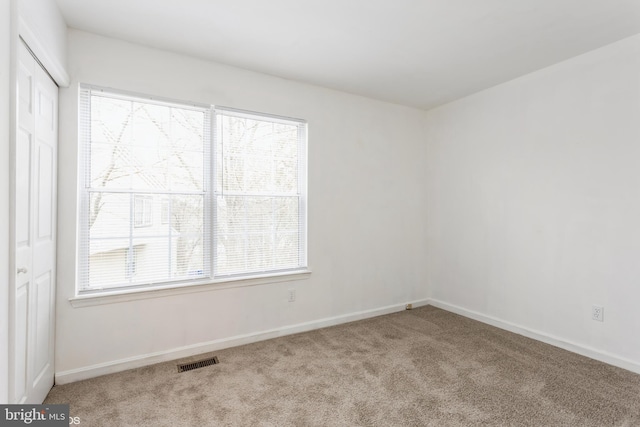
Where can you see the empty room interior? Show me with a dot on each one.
(321, 213)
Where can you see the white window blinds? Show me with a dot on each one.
(144, 161)
(260, 194)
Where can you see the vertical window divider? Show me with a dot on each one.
(209, 198)
(213, 179)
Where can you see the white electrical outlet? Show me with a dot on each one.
(292, 295)
(597, 313)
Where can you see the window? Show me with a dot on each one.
(142, 214)
(260, 186)
(175, 193)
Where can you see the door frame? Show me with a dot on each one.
(6, 15)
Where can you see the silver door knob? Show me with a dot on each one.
(22, 270)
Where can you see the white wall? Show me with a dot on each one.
(534, 202)
(43, 28)
(5, 96)
(366, 211)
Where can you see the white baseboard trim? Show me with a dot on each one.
(592, 353)
(73, 375)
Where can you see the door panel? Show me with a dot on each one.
(20, 366)
(44, 181)
(25, 134)
(45, 192)
(25, 89)
(23, 187)
(35, 225)
(42, 329)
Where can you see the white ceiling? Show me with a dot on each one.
(420, 53)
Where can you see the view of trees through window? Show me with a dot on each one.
(258, 198)
(163, 203)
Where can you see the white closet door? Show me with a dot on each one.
(33, 299)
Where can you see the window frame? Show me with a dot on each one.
(84, 295)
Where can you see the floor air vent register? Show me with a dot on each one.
(184, 367)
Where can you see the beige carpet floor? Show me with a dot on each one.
(424, 367)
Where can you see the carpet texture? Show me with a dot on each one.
(424, 367)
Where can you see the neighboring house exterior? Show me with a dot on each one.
(124, 257)
(138, 232)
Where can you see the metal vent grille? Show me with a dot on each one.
(184, 367)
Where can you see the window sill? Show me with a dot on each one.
(116, 296)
